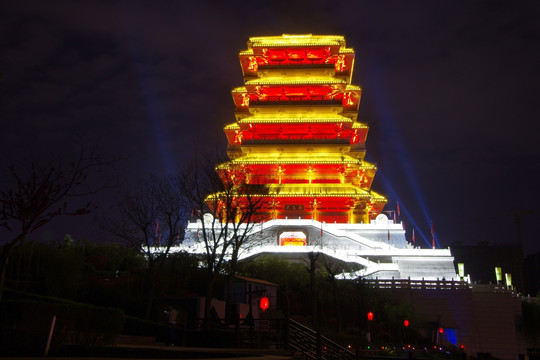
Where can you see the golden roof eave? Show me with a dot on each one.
(289, 80)
(295, 118)
(350, 87)
(322, 190)
(376, 197)
(265, 160)
(239, 89)
(358, 125)
(296, 40)
(232, 126)
(313, 190)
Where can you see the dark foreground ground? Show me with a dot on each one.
(167, 352)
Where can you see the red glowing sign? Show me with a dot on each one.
(264, 303)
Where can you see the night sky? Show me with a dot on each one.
(450, 92)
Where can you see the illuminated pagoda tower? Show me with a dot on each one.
(296, 130)
(297, 134)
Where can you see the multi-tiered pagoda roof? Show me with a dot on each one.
(296, 130)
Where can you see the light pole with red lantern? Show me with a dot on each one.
(440, 331)
(370, 317)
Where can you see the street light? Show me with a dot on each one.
(368, 335)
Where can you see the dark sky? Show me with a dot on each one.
(450, 91)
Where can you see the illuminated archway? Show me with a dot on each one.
(292, 238)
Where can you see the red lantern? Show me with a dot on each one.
(406, 323)
(441, 330)
(370, 316)
(264, 303)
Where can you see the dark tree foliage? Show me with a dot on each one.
(103, 274)
(531, 322)
(151, 218)
(34, 193)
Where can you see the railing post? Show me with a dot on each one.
(236, 329)
(47, 347)
(286, 340)
(318, 344)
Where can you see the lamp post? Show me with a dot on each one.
(264, 303)
(406, 324)
(370, 317)
(439, 333)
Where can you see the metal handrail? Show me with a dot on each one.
(417, 284)
(313, 345)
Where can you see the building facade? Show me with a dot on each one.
(297, 138)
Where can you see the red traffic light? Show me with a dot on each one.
(406, 323)
(370, 316)
(441, 330)
(264, 303)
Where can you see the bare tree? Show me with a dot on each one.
(251, 199)
(332, 268)
(226, 209)
(312, 266)
(151, 218)
(36, 193)
(196, 182)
